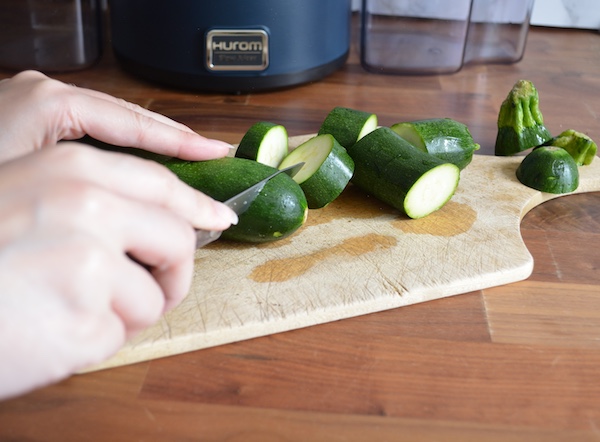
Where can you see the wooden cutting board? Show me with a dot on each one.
(354, 257)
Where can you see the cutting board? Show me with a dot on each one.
(354, 257)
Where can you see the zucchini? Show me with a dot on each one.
(348, 125)
(396, 172)
(444, 138)
(277, 212)
(264, 142)
(549, 169)
(581, 147)
(520, 121)
(326, 172)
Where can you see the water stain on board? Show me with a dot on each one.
(288, 268)
(353, 203)
(451, 220)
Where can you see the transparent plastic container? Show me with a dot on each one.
(408, 37)
(50, 35)
(498, 31)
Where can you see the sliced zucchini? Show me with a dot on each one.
(581, 147)
(549, 169)
(264, 142)
(444, 138)
(278, 211)
(348, 125)
(401, 175)
(327, 170)
(520, 121)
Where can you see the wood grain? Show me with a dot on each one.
(517, 362)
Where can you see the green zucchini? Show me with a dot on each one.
(444, 138)
(326, 172)
(581, 147)
(264, 142)
(549, 169)
(348, 125)
(277, 212)
(401, 175)
(520, 121)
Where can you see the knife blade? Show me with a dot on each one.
(241, 202)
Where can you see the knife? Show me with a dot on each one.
(241, 202)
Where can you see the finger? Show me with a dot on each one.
(63, 305)
(137, 297)
(162, 243)
(106, 282)
(122, 123)
(154, 237)
(68, 112)
(136, 108)
(122, 174)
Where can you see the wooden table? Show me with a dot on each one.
(516, 362)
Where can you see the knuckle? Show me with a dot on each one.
(72, 202)
(71, 156)
(29, 74)
(87, 259)
(90, 255)
(46, 89)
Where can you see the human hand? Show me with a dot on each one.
(37, 111)
(70, 295)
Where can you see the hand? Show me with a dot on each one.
(72, 216)
(37, 111)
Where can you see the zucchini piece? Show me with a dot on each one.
(444, 138)
(549, 169)
(348, 125)
(264, 142)
(581, 147)
(278, 211)
(326, 172)
(520, 121)
(396, 172)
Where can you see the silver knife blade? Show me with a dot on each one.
(241, 202)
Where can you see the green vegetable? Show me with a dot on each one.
(278, 211)
(581, 147)
(326, 172)
(444, 138)
(394, 171)
(549, 169)
(264, 142)
(520, 122)
(348, 125)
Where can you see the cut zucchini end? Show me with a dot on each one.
(432, 190)
(312, 153)
(274, 147)
(326, 172)
(265, 143)
(348, 125)
(444, 138)
(410, 134)
(370, 125)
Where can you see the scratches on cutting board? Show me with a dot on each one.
(284, 269)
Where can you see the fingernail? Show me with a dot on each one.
(221, 144)
(226, 213)
(217, 143)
